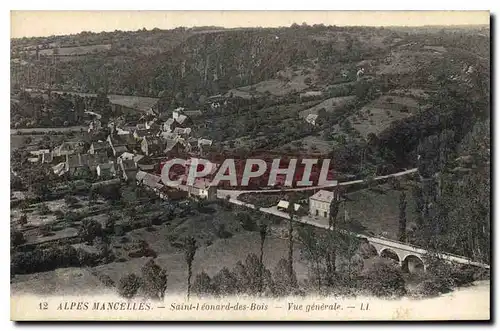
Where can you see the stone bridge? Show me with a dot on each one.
(410, 258)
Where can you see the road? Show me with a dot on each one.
(234, 194)
(323, 223)
(47, 130)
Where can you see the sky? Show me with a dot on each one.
(46, 23)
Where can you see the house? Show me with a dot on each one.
(152, 125)
(137, 158)
(94, 125)
(59, 169)
(319, 203)
(41, 155)
(311, 118)
(128, 169)
(168, 135)
(132, 104)
(204, 142)
(106, 169)
(171, 146)
(67, 148)
(141, 126)
(47, 158)
(183, 132)
(99, 147)
(141, 133)
(169, 125)
(39, 152)
(177, 112)
(125, 156)
(283, 205)
(146, 163)
(169, 193)
(193, 113)
(121, 143)
(201, 188)
(75, 162)
(151, 146)
(183, 120)
(139, 177)
(360, 73)
(120, 131)
(152, 182)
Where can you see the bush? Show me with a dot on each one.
(109, 225)
(89, 230)
(70, 200)
(23, 220)
(45, 230)
(40, 260)
(428, 287)
(16, 238)
(404, 109)
(129, 285)
(106, 280)
(44, 209)
(86, 258)
(225, 283)
(222, 232)
(119, 230)
(395, 183)
(247, 221)
(383, 279)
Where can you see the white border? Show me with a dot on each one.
(194, 5)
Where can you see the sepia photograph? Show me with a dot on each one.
(250, 165)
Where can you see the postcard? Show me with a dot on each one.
(250, 165)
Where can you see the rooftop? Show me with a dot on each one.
(322, 195)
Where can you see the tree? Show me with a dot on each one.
(92, 195)
(202, 285)
(89, 230)
(252, 272)
(190, 251)
(312, 251)
(263, 234)
(402, 217)
(242, 277)
(291, 213)
(225, 283)
(331, 258)
(283, 284)
(129, 285)
(154, 280)
(109, 225)
(23, 220)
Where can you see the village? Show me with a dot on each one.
(319, 164)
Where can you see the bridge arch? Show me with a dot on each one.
(390, 254)
(413, 264)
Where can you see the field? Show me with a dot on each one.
(328, 105)
(376, 210)
(78, 50)
(381, 113)
(224, 252)
(288, 81)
